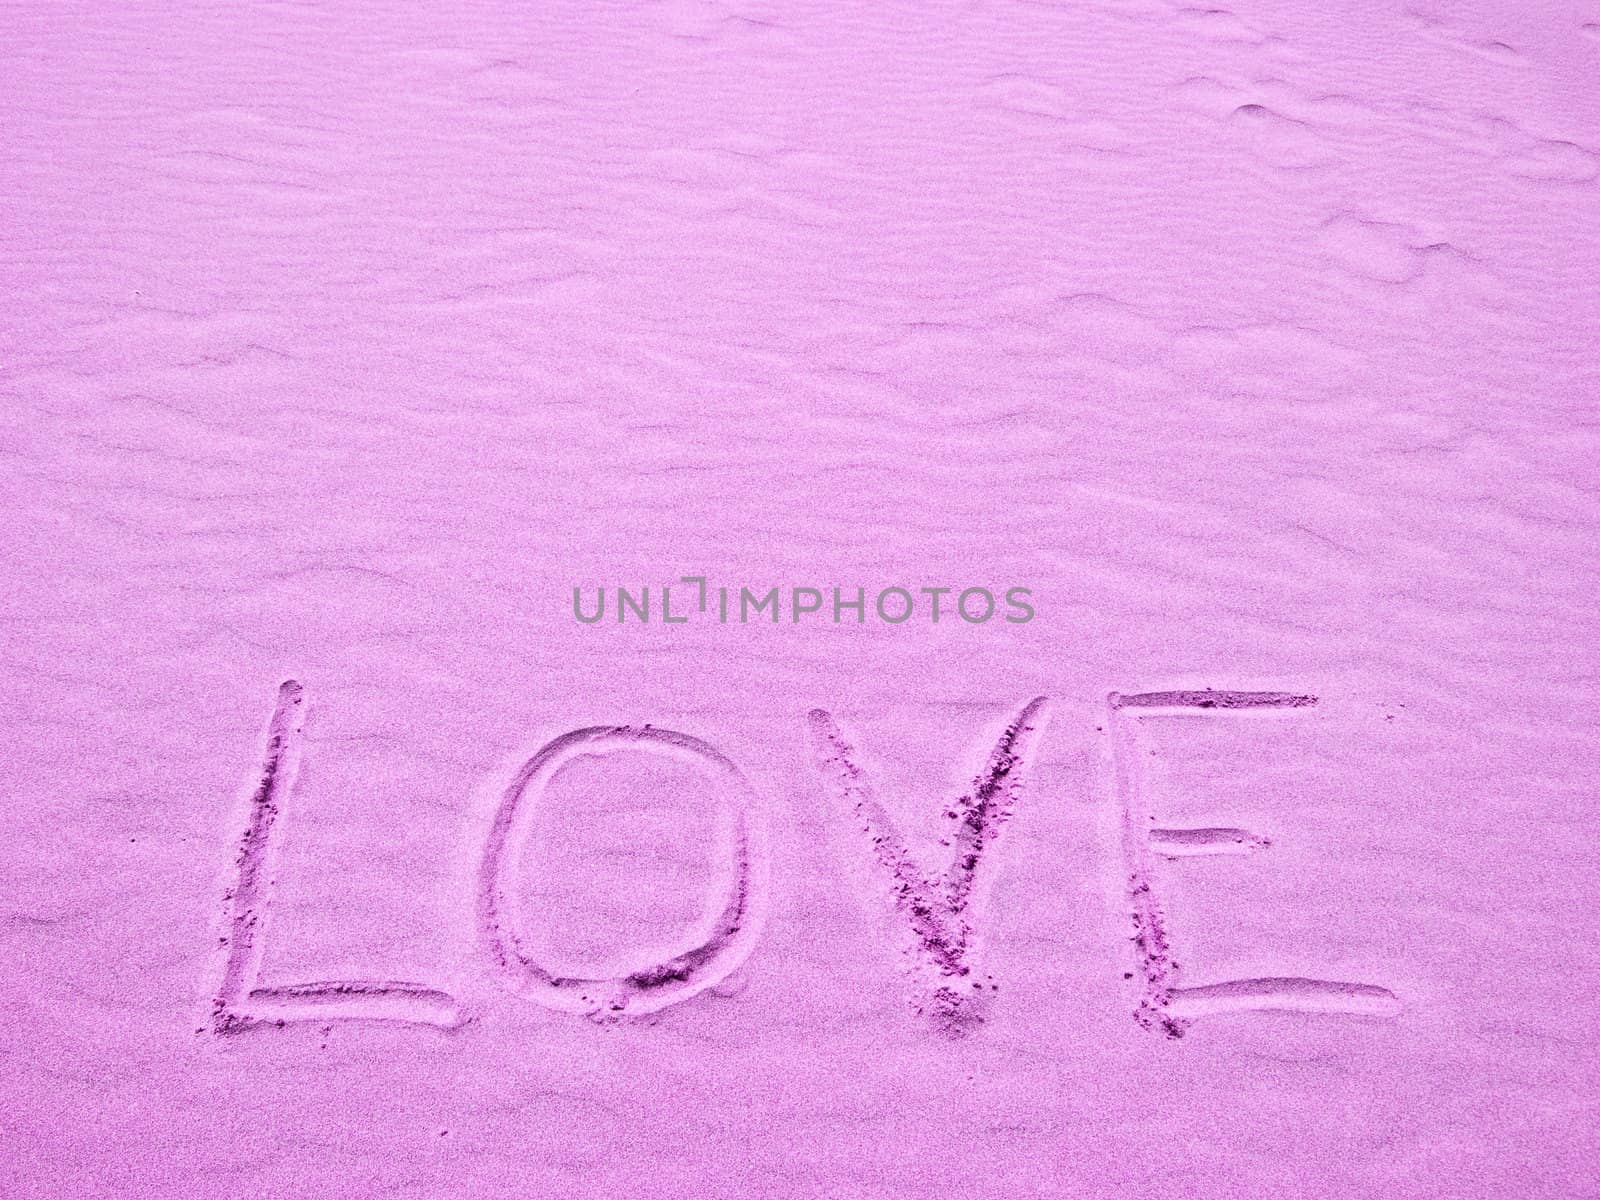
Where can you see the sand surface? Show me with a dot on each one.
(343, 340)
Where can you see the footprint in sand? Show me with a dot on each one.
(1549, 161)
(1374, 249)
(1219, 25)
(1441, 30)
(1279, 140)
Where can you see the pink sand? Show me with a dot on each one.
(343, 340)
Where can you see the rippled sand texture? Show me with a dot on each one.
(341, 340)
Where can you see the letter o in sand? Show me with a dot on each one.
(650, 989)
(988, 600)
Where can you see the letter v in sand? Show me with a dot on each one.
(939, 909)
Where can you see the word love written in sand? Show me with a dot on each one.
(937, 910)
